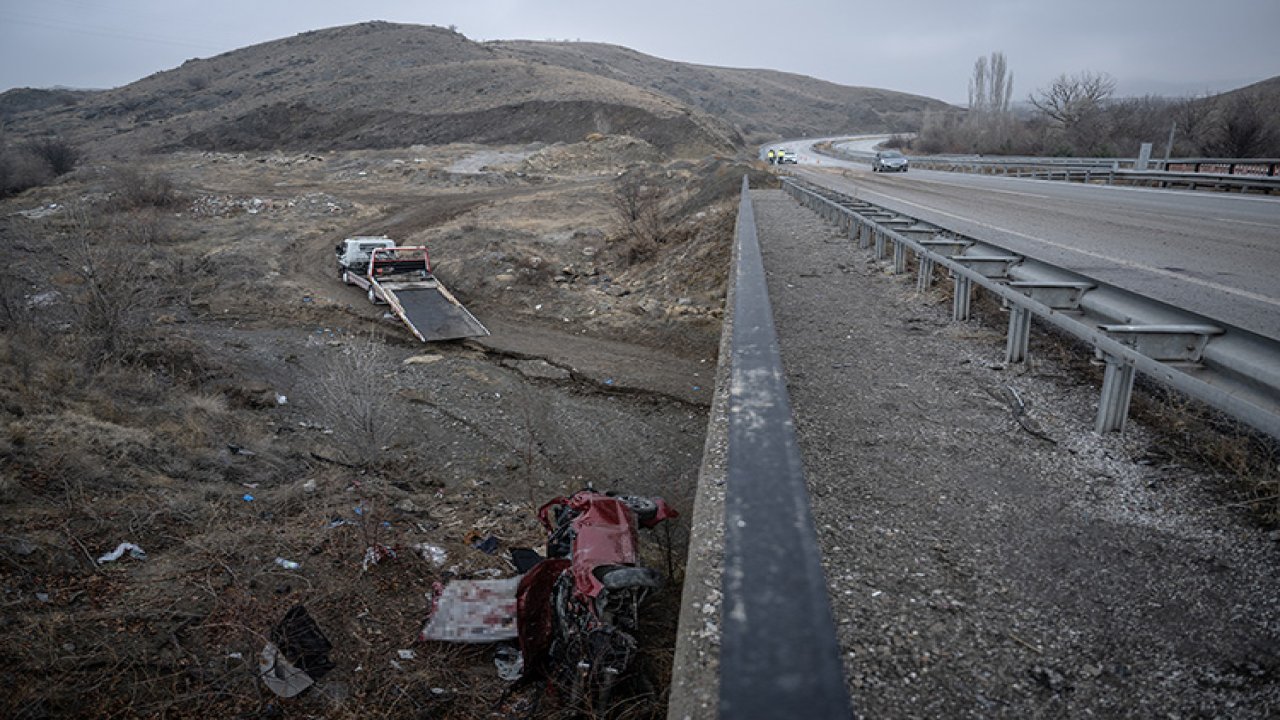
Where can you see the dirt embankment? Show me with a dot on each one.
(189, 375)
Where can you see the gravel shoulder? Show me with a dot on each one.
(977, 569)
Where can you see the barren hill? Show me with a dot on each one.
(371, 85)
(387, 85)
(762, 104)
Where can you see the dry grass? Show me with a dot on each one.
(116, 425)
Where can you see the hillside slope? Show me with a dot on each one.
(377, 85)
(372, 85)
(762, 104)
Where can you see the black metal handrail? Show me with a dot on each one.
(779, 657)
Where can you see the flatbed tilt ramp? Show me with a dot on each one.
(433, 313)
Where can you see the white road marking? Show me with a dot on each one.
(1247, 222)
(1089, 253)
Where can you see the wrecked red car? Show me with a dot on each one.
(577, 608)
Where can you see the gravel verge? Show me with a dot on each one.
(979, 569)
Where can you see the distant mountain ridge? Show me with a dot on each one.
(382, 85)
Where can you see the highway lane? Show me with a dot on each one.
(1214, 254)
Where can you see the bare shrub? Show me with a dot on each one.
(637, 206)
(353, 395)
(135, 190)
(21, 171)
(59, 155)
(115, 292)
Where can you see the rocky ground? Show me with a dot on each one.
(189, 375)
(987, 554)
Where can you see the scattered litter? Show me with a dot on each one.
(134, 551)
(510, 663)
(287, 564)
(359, 509)
(251, 486)
(406, 654)
(696, 388)
(237, 450)
(524, 559)
(337, 522)
(406, 506)
(247, 497)
(281, 399)
(608, 381)
(486, 544)
(309, 486)
(422, 359)
(396, 664)
(296, 656)
(474, 611)
(42, 597)
(434, 554)
(375, 554)
(235, 656)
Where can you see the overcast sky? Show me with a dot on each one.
(919, 46)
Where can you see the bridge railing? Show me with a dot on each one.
(777, 652)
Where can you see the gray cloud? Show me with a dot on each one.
(919, 46)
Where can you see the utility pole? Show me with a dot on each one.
(1168, 148)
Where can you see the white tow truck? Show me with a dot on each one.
(401, 278)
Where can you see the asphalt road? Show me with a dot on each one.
(1213, 254)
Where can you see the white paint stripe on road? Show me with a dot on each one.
(1271, 226)
(1100, 256)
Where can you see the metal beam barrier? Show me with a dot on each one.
(779, 657)
(1239, 376)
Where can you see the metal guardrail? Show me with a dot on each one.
(1098, 172)
(1269, 167)
(1195, 173)
(778, 655)
(1230, 369)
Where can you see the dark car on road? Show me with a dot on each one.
(889, 161)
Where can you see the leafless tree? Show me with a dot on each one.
(1243, 128)
(1071, 100)
(990, 91)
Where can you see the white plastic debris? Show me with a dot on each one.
(434, 554)
(287, 564)
(406, 654)
(309, 486)
(281, 399)
(134, 551)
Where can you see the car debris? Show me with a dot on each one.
(296, 655)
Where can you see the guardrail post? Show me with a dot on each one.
(899, 258)
(864, 236)
(924, 273)
(1117, 388)
(1019, 334)
(960, 304)
(879, 235)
